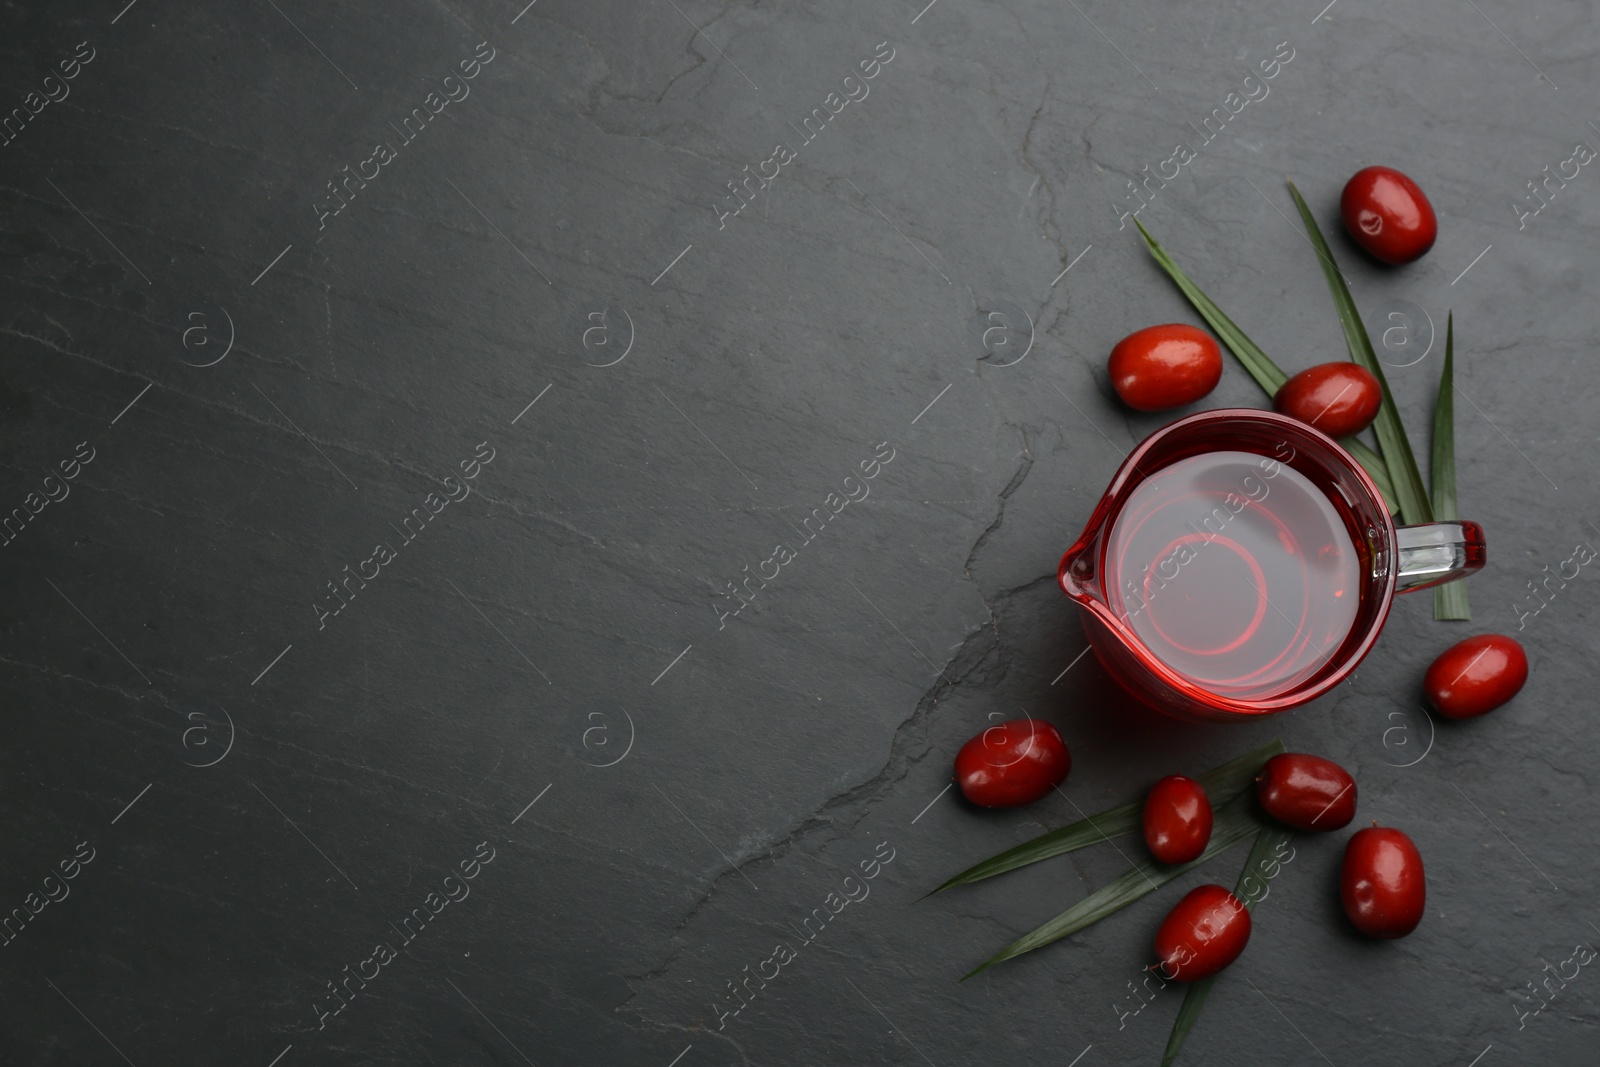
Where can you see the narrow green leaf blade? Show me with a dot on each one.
(1234, 822)
(1269, 840)
(1194, 1000)
(1404, 477)
(1376, 469)
(1449, 600)
(1266, 373)
(1114, 822)
(1221, 784)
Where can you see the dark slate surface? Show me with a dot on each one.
(267, 793)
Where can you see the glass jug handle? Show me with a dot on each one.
(1438, 552)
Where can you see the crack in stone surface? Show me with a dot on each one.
(978, 661)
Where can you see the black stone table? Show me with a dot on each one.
(392, 395)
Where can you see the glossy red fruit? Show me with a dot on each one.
(1161, 367)
(1388, 215)
(1381, 882)
(1339, 398)
(1476, 676)
(1307, 792)
(1203, 933)
(1177, 819)
(1016, 762)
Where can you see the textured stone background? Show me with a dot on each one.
(564, 616)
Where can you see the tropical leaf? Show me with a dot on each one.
(1269, 840)
(1221, 784)
(1266, 373)
(1404, 478)
(1450, 599)
(1194, 1001)
(1234, 822)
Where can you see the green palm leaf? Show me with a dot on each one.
(1450, 599)
(1234, 822)
(1221, 784)
(1404, 477)
(1267, 374)
(1270, 838)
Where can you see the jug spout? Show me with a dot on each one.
(1077, 575)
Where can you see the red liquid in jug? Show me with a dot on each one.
(1236, 571)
